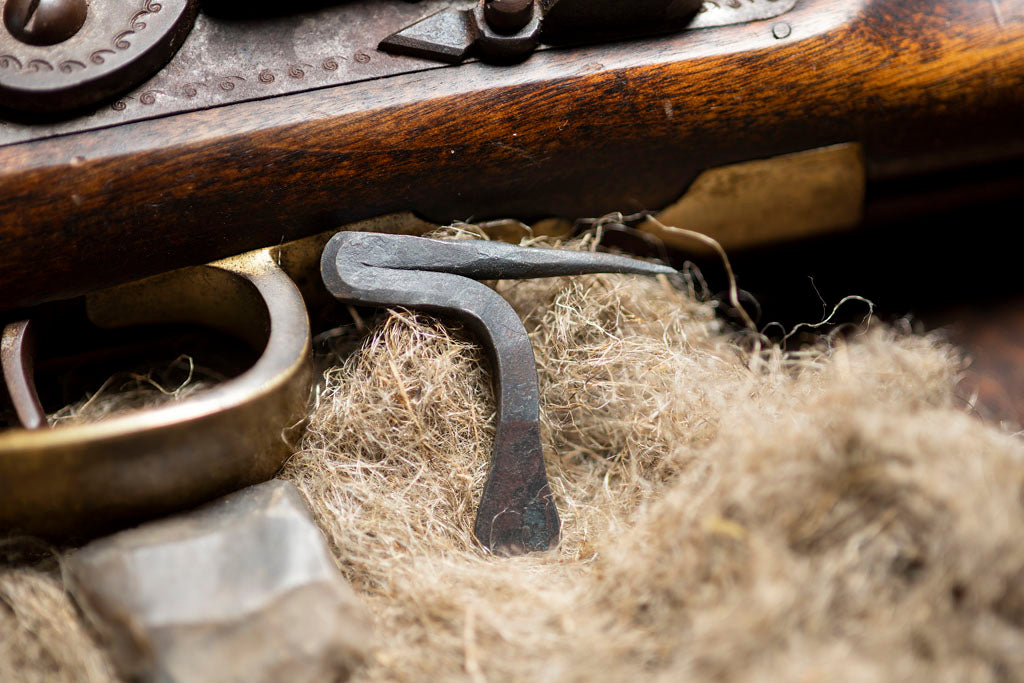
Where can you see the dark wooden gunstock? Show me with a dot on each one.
(924, 85)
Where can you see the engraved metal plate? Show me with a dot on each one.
(119, 45)
(224, 61)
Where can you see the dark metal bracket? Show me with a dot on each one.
(516, 512)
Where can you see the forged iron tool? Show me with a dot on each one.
(516, 513)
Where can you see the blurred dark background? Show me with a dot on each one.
(936, 254)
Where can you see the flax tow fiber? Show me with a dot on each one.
(727, 514)
(42, 638)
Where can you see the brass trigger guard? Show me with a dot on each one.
(78, 480)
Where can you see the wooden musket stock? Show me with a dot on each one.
(925, 86)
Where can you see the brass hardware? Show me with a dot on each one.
(77, 480)
(771, 200)
(16, 361)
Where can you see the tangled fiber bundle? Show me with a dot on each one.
(728, 513)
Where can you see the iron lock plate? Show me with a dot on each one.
(229, 59)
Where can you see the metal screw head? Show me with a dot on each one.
(44, 22)
(508, 16)
(781, 30)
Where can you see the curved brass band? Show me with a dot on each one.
(16, 361)
(81, 479)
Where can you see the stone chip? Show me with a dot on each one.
(241, 589)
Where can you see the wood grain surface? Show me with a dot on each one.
(923, 85)
(991, 334)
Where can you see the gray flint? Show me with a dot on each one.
(241, 589)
